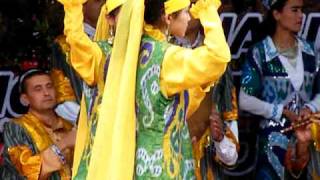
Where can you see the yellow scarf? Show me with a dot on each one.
(154, 32)
(113, 151)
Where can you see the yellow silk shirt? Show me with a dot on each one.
(27, 147)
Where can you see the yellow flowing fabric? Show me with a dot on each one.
(115, 134)
(81, 137)
(101, 35)
(102, 26)
(113, 151)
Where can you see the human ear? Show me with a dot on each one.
(24, 100)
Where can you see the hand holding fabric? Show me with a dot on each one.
(216, 125)
(203, 4)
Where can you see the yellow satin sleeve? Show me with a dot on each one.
(34, 166)
(184, 68)
(27, 164)
(62, 85)
(85, 55)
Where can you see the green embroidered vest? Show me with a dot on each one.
(163, 149)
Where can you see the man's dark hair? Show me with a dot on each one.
(27, 75)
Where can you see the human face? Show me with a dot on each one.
(290, 18)
(91, 11)
(40, 94)
(179, 23)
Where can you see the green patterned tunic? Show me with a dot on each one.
(92, 102)
(164, 149)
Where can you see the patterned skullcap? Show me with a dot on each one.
(268, 3)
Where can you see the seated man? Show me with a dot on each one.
(38, 145)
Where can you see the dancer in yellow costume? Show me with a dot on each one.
(171, 82)
(106, 137)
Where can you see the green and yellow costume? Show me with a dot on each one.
(170, 86)
(106, 128)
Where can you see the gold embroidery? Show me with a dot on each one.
(42, 139)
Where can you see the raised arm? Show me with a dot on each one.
(186, 68)
(85, 55)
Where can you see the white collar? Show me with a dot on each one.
(295, 74)
(271, 51)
